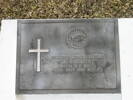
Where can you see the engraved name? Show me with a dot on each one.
(66, 64)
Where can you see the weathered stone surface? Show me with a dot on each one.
(81, 56)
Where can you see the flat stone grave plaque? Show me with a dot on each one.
(68, 56)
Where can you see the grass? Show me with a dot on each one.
(65, 9)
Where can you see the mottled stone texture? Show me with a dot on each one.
(83, 56)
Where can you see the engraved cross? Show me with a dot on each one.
(38, 51)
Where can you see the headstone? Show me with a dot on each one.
(68, 56)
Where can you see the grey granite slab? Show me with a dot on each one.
(68, 56)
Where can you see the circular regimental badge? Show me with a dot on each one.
(77, 38)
